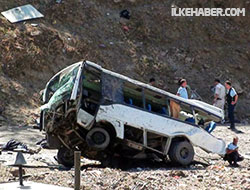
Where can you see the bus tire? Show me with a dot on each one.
(181, 153)
(65, 157)
(98, 138)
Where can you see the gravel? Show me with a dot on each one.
(217, 175)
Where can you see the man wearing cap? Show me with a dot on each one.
(232, 98)
(219, 94)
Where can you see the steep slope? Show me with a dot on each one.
(152, 44)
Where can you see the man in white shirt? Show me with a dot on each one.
(182, 91)
(219, 94)
(232, 154)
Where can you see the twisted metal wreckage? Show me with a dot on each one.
(106, 115)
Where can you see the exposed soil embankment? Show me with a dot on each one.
(150, 44)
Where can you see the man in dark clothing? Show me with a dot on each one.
(152, 81)
(232, 154)
(232, 98)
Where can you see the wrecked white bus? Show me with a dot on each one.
(105, 115)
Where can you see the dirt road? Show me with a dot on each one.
(218, 175)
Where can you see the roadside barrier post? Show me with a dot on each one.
(77, 160)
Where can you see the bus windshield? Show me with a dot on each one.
(60, 87)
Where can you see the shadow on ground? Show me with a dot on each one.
(136, 164)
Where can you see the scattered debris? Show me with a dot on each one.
(217, 176)
(125, 14)
(125, 28)
(177, 174)
(13, 144)
(35, 33)
(42, 143)
(22, 13)
(34, 25)
(102, 45)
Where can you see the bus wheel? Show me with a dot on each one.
(98, 138)
(181, 153)
(65, 157)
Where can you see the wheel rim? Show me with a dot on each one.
(98, 138)
(65, 157)
(184, 153)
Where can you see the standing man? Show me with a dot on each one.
(219, 94)
(232, 98)
(182, 90)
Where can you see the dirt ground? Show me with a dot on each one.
(150, 44)
(155, 44)
(217, 174)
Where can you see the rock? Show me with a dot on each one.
(240, 67)
(35, 33)
(243, 181)
(238, 87)
(199, 176)
(188, 60)
(205, 66)
(178, 173)
(2, 118)
(102, 45)
(1, 109)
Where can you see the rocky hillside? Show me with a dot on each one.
(150, 44)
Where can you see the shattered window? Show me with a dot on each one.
(63, 78)
(61, 87)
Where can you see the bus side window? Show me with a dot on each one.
(155, 102)
(91, 93)
(112, 88)
(132, 94)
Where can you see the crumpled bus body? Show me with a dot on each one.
(104, 114)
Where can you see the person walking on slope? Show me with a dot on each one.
(232, 98)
